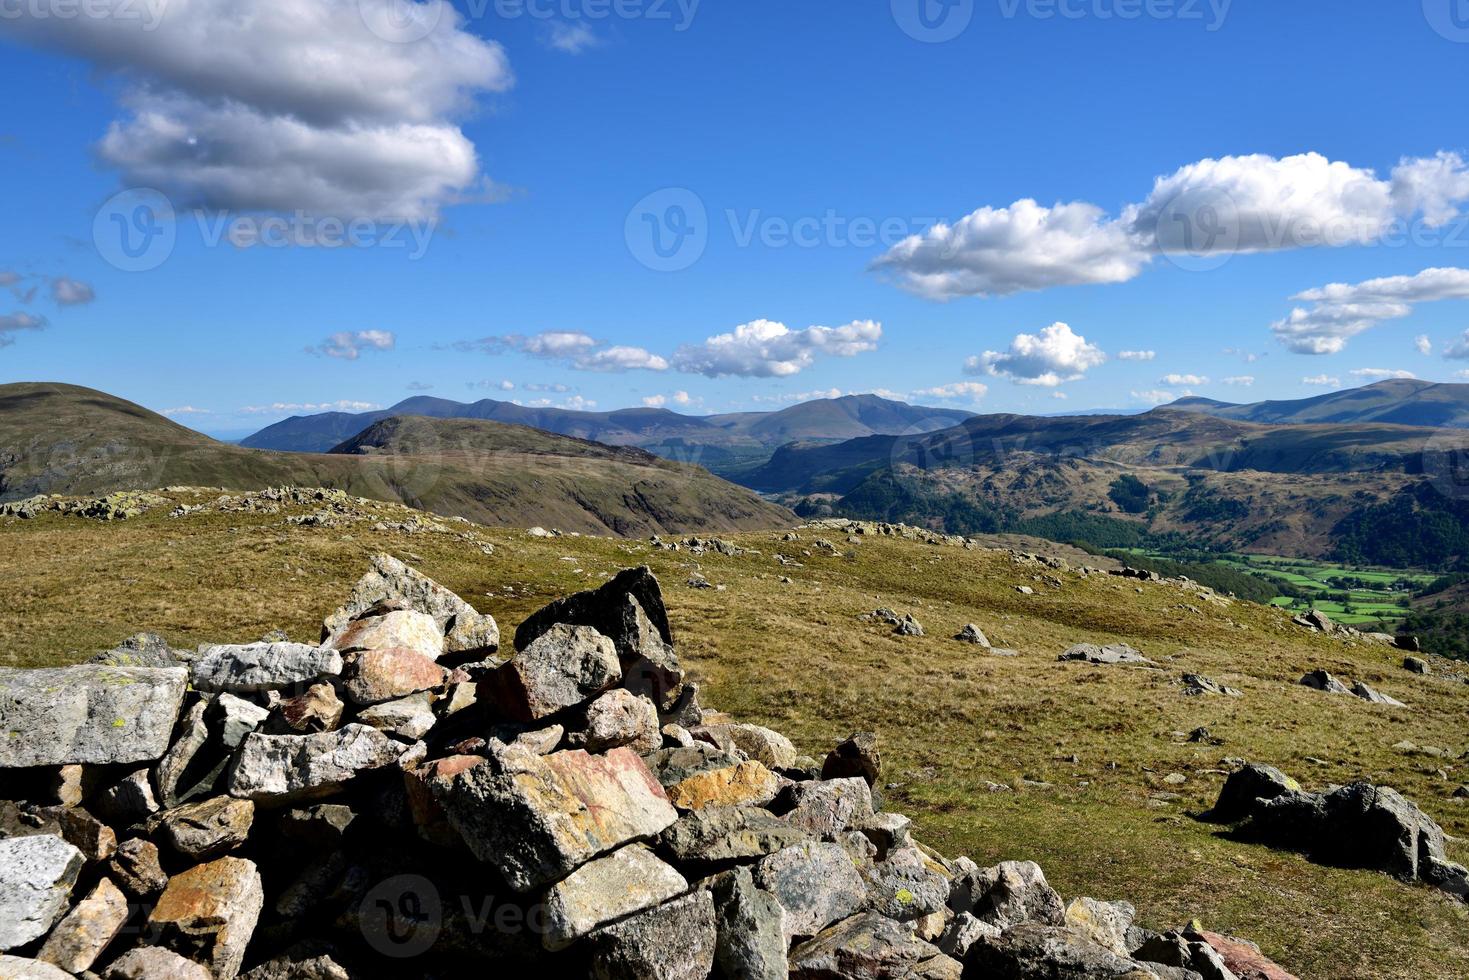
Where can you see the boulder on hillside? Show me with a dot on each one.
(391, 583)
(88, 714)
(972, 634)
(1114, 653)
(1367, 693)
(1321, 680)
(1244, 787)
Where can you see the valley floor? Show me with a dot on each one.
(1074, 766)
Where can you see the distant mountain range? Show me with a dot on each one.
(58, 438)
(712, 440)
(1399, 402)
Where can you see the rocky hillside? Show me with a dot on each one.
(1398, 401)
(405, 794)
(63, 439)
(1093, 766)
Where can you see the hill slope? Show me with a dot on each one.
(668, 432)
(1086, 770)
(1397, 401)
(65, 439)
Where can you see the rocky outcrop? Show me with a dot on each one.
(1114, 653)
(400, 801)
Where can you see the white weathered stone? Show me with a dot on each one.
(605, 890)
(87, 714)
(36, 877)
(274, 769)
(255, 667)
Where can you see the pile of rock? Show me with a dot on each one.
(1322, 680)
(117, 506)
(401, 799)
(1356, 826)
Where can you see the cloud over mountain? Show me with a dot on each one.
(767, 349)
(1054, 356)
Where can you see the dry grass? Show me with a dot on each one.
(953, 719)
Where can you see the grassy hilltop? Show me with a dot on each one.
(1076, 767)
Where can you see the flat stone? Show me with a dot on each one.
(729, 833)
(826, 808)
(607, 889)
(276, 769)
(1198, 684)
(155, 963)
(563, 667)
(621, 717)
(36, 877)
(255, 667)
(210, 912)
(87, 714)
(674, 941)
(865, 945)
(411, 718)
(206, 830)
(81, 937)
(374, 676)
(816, 883)
(536, 818)
(751, 942)
(402, 629)
(738, 785)
(390, 582)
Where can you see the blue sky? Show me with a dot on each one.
(533, 151)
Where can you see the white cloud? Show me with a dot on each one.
(958, 391)
(766, 349)
(577, 403)
(1322, 381)
(1136, 355)
(1244, 355)
(1051, 358)
(579, 350)
(1157, 396)
(655, 401)
(350, 345)
(552, 386)
(507, 385)
(1458, 350)
(1383, 374)
(1233, 204)
(1060, 395)
(185, 410)
(12, 323)
(1241, 380)
(260, 105)
(1341, 311)
(677, 398)
(420, 386)
(621, 359)
(280, 408)
(71, 292)
(1422, 344)
(572, 38)
(800, 396)
(1183, 379)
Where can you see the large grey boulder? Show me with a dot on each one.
(1032, 950)
(255, 667)
(752, 940)
(277, 769)
(536, 818)
(36, 877)
(1368, 693)
(1245, 786)
(605, 890)
(564, 667)
(816, 884)
(88, 714)
(827, 808)
(390, 583)
(866, 945)
(1322, 680)
(1013, 892)
(1114, 653)
(674, 941)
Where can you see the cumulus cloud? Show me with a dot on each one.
(350, 345)
(1341, 311)
(1383, 374)
(1240, 380)
(1247, 356)
(958, 391)
(766, 349)
(1136, 355)
(1183, 379)
(1422, 344)
(579, 404)
(621, 359)
(184, 410)
(71, 292)
(552, 386)
(577, 349)
(13, 323)
(259, 105)
(1220, 206)
(279, 408)
(1048, 359)
(677, 398)
(800, 396)
(1322, 381)
(1157, 396)
(572, 38)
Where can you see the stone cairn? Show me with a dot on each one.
(401, 800)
